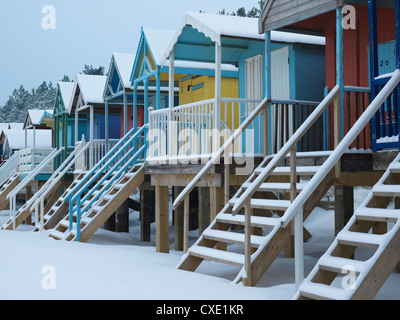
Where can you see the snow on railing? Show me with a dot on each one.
(224, 150)
(9, 168)
(295, 210)
(37, 201)
(195, 130)
(42, 167)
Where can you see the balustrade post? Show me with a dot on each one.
(247, 248)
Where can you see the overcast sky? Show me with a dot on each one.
(86, 32)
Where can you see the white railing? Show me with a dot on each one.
(36, 203)
(9, 168)
(195, 130)
(96, 150)
(42, 167)
(295, 210)
(30, 158)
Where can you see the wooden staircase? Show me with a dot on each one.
(365, 252)
(60, 208)
(268, 238)
(109, 201)
(6, 188)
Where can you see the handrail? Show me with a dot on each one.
(9, 167)
(34, 172)
(285, 149)
(65, 166)
(184, 106)
(119, 166)
(99, 164)
(106, 165)
(217, 156)
(341, 149)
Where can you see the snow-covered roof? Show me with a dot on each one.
(37, 116)
(158, 40)
(124, 64)
(215, 26)
(16, 125)
(16, 138)
(66, 89)
(91, 89)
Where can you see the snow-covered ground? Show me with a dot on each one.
(119, 266)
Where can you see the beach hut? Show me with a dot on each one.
(191, 80)
(229, 40)
(87, 103)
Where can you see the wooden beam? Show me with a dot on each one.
(210, 180)
(344, 206)
(204, 209)
(162, 219)
(178, 223)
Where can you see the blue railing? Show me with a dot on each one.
(385, 126)
(128, 152)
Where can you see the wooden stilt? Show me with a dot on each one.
(162, 219)
(145, 215)
(344, 206)
(216, 205)
(27, 197)
(178, 223)
(122, 218)
(204, 209)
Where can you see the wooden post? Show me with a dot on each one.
(186, 225)
(216, 201)
(178, 222)
(216, 205)
(289, 247)
(336, 121)
(247, 247)
(145, 215)
(125, 113)
(344, 206)
(91, 128)
(122, 218)
(268, 65)
(28, 195)
(110, 223)
(162, 219)
(217, 111)
(204, 209)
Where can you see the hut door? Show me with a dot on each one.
(280, 85)
(254, 77)
(254, 90)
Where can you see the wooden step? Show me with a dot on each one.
(266, 204)
(394, 167)
(232, 237)
(285, 171)
(382, 190)
(320, 291)
(276, 187)
(378, 215)
(340, 265)
(255, 222)
(358, 239)
(232, 258)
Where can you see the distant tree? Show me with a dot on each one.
(241, 12)
(90, 70)
(66, 79)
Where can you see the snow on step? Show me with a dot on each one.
(300, 170)
(277, 187)
(323, 292)
(258, 222)
(360, 239)
(340, 265)
(231, 237)
(386, 190)
(395, 167)
(375, 214)
(235, 259)
(266, 204)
